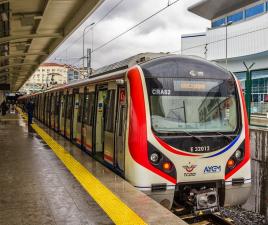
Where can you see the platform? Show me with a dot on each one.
(37, 188)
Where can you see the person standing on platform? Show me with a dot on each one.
(4, 108)
(30, 110)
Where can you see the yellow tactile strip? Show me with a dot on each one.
(117, 210)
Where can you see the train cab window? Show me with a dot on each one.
(109, 111)
(191, 97)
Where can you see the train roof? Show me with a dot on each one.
(118, 68)
(128, 62)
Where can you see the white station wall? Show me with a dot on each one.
(244, 38)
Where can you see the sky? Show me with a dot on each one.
(161, 33)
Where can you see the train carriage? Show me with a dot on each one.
(175, 127)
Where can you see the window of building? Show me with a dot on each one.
(235, 17)
(255, 10)
(218, 22)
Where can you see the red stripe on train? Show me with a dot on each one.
(247, 142)
(137, 139)
(171, 149)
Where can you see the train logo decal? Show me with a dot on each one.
(189, 170)
(212, 169)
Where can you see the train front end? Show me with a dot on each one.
(188, 137)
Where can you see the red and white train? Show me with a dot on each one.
(175, 127)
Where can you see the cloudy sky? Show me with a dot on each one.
(159, 34)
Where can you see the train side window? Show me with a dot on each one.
(85, 115)
(57, 103)
(63, 105)
(88, 109)
(109, 111)
(121, 123)
(91, 105)
(80, 108)
(69, 107)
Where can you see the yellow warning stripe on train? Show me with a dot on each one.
(117, 210)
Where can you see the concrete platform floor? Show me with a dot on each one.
(36, 188)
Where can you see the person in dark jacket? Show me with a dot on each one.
(30, 110)
(4, 108)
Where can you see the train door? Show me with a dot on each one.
(57, 110)
(78, 137)
(52, 111)
(120, 129)
(47, 109)
(36, 105)
(75, 114)
(44, 108)
(99, 131)
(88, 118)
(69, 114)
(109, 123)
(41, 108)
(62, 112)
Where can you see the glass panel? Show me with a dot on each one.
(85, 114)
(92, 109)
(69, 106)
(89, 109)
(63, 105)
(109, 111)
(218, 23)
(80, 108)
(255, 10)
(192, 105)
(235, 17)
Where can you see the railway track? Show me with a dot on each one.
(208, 219)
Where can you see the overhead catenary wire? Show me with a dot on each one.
(101, 19)
(135, 26)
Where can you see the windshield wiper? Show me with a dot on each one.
(223, 135)
(193, 136)
(184, 132)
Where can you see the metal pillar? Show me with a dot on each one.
(89, 60)
(248, 86)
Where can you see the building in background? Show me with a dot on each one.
(47, 75)
(238, 33)
(75, 73)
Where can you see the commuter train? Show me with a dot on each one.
(174, 126)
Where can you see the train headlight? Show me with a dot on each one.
(236, 158)
(154, 157)
(167, 166)
(230, 163)
(238, 154)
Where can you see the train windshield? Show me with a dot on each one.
(192, 105)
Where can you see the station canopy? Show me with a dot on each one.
(30, 30)
(211, 9)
